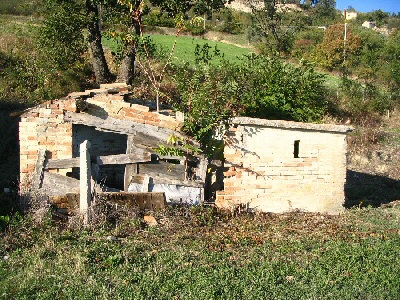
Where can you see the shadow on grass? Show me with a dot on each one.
(364, 189)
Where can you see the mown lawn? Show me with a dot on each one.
(202, 254)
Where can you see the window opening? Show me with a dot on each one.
(296, 148)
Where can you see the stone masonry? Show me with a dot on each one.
(279, 166)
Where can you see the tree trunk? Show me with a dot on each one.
(126, 72)
(100, 67)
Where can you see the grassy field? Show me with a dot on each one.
(185, 48)
(198, 253)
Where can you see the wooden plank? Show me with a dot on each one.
(151, 201)
(110, 124)
(119, 159)
(163, 180)
(143, 201)
(163, 169)
(201, 171)
(140, 155)
(65, 163)
(39, 169)
(130, 169)
(85, 175)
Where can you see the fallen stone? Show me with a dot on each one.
(150, 221)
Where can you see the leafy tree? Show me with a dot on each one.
(208, 6)
(62, 33)
(324, 13)
(122, 18)
(371, 54)
(333, 52)
(278, 25)
(392, 55)
(230, 22)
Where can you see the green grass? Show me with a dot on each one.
(185, 48)
(200, 254)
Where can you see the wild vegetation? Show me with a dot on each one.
(292, 70)
(199, 253)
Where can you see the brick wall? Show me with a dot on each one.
(268, 171)
(43, 127)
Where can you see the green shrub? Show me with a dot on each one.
(362, 100)
(158, 18)
(259, 87)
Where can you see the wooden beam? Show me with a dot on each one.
(39, 168)
(62, 163)
(122, 159)
(110, 124)
(140, 155)
(129, 168)
(163, 180)
(163, 169)
(201, 171)
(85, 173)
(151, 201)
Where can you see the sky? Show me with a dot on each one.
(370, 5)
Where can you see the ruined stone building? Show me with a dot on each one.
(273, 166)
(123, 137)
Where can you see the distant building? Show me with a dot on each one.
(369, 24)
(350, 15)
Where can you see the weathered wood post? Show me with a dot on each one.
(85, 176)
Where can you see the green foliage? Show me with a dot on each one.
(334, 53)
(145, 46)
(371, 53)
(306, 41)
(61, 36)
(230, 22)
(158, 18)
(324, 13)
(258, 87)
(392, 55)
(4, 221)
(380, 17)
(19, 7)
(363, 100)
(195, 28)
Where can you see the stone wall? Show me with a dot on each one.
(279, 166)
(44, 128)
